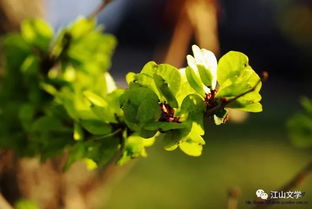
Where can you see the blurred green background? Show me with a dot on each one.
(253, 155)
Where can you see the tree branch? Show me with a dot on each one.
(293, 183)
(299, 178)
(221, 105)
(4, 204)
(233, 196)
(99, 8)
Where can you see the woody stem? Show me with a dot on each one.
(210, 112)
(100, 8)
(293, 183)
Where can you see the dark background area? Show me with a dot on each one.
(253, 27)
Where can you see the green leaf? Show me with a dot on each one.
(48, 124)
(81, 27)
(244, 82)
(76, 152)
(164, 126)
(31, 65)
(26, 115)
(37, 32)
(103, 113)
(171, 138)
(306, 104)
(134, 147)
(90, 164)
(220, 117)
(248, 102)
(171, 76)
(148, 111)
(188, 139)
(191, 147)
(96, 127)
(144, 133)
(163, 79)
(186, 88)
(95, 99)
(300, 125)
(92, 52)
(130, 77)
(300, 130)
(96, 152)
(236, 79)
(26, 204)
(110, 83)
(193, 143)
(164, 89)
(102, 151)
(100, 107)
(231, 65)
(140, 107)
(113, 99)
(78, 132)
(194, 81)
(15, 49)
(192, 109)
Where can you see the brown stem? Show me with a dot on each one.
(263, 78)
(210, 112)
(234, 194)
(299, 178)
(293, 183)
(4, 204)
(99, 8)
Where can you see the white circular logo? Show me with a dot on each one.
(260, 193)
(264, 196)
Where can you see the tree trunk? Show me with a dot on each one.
(48, 185)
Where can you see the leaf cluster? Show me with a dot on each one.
(57, 96)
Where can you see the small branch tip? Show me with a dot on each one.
(264, 76)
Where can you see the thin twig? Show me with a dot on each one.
(298, 179)
(293, 183)
(213, 110)
(234, 194)
(99, 8)
(4, 204)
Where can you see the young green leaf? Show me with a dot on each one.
(140, 107)
(193, 143)
(96, 127)
(37, 32)
(238, 80)
(134, 147)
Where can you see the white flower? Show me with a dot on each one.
(204, 64)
